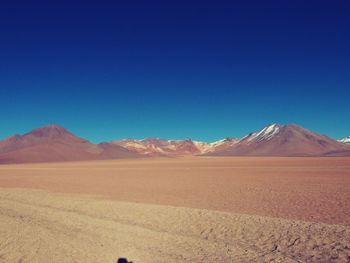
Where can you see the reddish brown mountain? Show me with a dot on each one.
(288, 140)
(160, 147)
(52, 144)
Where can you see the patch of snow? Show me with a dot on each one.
(217, 143)
(345, 140)
(265, 134)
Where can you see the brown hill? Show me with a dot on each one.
(54, 144)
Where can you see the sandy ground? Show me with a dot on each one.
(44, 227)
(177, 210)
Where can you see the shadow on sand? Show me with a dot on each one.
(123, 260)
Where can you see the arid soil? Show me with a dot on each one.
(312, 189)
(197, 209)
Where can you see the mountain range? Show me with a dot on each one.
(54, 143)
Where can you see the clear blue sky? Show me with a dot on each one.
(177, 69)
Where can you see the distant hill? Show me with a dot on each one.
(55, 144)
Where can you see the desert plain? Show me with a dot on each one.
(190, 209)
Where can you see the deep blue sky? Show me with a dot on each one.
(179, 69)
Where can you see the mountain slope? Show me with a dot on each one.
(288, 140)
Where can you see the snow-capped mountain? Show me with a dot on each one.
(345, 140)
(287, 140)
